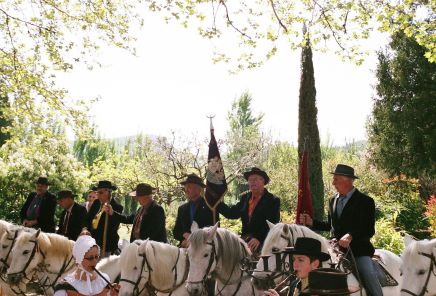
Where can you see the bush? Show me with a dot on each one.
(431, 214)
(387, 237)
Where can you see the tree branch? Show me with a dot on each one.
(230, 22)
(27, 22)
(277, 17)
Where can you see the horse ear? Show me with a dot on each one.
(408, 239)
(270, 225)
(194, 226)
(285, 228)
(36, 234)
(212, 231)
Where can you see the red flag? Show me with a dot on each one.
(304, 203)
(216, 184)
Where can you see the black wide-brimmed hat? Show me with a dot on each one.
(310, 247)
(106, 185)
(328, 281)
(42, 180)
(344, 170)
(257, 171)
(66, 194)
(194, 179)
(142, 189)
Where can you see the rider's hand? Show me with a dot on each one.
(271, 292)
(345, 240)
(306, 220)
(253, 244)
(108, 209)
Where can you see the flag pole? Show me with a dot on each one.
(211, 131)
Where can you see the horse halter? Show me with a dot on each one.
(32, 255)
(213, 257)
(430, 271)
(5, 260)
(136, 289)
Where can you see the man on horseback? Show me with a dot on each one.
(104, 231)
(149, 220)
(194, 210)
(351, 220)
(307, 256)
(254, 208)
(73, 217)
(39, 209)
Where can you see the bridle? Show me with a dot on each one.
(430, 272)
(35, 250)
(148, 285)
(46, 283)
(213, 257)
(5, 260)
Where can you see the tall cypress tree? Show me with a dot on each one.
(3, 121)
(308, 129)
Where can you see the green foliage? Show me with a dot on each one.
(388, 237)
(339, 25)
(402, 130)
(431, 215)
(308, 134)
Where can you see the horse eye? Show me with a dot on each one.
(135, 268)
(205, 255)
(421, 272)
(275, 249)
(26, 252)
(4, 246)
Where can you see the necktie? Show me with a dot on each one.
(137, 224)
(66, 221)
(252, 203)
(340, 205)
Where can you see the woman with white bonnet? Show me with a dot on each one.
(84, 280)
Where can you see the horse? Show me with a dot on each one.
(45, 256)
(153, 268)
(419, 267)
(7, 241)
(218, 251)
(110, 266)
(283, 235)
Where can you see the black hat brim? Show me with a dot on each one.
(349, 290)
(346, 175)
(321, 255)
(263, 174)
(193, 182)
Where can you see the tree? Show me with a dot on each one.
(402, 129)
(39, 38)
(4, 123)
(246, 144)
(339, 24)
(308, 134)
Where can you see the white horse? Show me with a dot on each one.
(218, 251)
(283, 235)
(153, 268)
(110, 266)
(7, 241)
(419, 267)
(45, 256)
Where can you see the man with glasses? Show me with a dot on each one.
(105, 233)
(254, 208)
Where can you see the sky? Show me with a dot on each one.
(173, 85)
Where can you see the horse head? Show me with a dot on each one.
(419, 267)
(134, 271)
(25, 256)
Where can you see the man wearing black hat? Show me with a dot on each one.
(351, 220)
(39, 209)
(149, 220)
(307, 256)
(97, 216)
(193, 210)
(254, 208)
(73, 216)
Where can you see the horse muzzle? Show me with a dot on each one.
(196, 289)
(14, 278)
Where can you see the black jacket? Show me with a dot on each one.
(46, 212)
(76, 222)
(152, 223)
(268, 208)
(112, 236)
(357, 219)
(203, 216)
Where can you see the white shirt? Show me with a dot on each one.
(98, 285)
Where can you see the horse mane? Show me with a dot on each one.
(229, 245)
(411, 252)
(297, 231)
(162, 258)
(50, 243)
